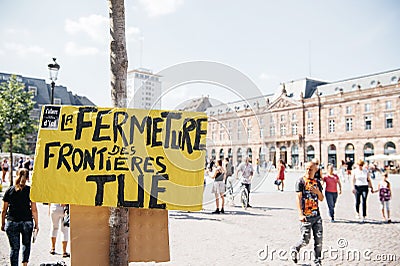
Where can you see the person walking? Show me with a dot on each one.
(309, 192)
(218, 187)
(332, 182)
(318, 170)
(4, 169)
(258, 166)
(361, 182)
(343, 169)
(247, 175)
(57, 213)
(281, 174)
(19, 210)
(385, 195)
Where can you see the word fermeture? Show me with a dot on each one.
(124, 127)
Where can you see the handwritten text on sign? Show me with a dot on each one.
(120, 157)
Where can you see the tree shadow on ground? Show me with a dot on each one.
(346, 221)
(183, 215)
(272, 208)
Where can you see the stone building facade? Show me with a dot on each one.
(308, 118)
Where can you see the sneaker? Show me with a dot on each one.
(357, 216)
(332, 220)
(249, 206)
(363, 219)
(222, 210)
(389, 221)
(318, 263)
(216, 211)
(293, 254)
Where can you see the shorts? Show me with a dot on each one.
(385, 204)
(218, 187)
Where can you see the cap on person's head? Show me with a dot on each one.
(360, 162)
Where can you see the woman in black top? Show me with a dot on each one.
(20, 212)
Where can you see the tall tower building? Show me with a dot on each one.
(143, 89)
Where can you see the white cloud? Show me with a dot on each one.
(95, 26)
(155, 8)
(74, 50)
(17, 32)
(264, 76)
(132, 33)
(23, 50)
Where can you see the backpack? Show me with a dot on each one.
(384, 194)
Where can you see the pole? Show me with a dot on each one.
(53, 84)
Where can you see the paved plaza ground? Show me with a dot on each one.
(263, 234)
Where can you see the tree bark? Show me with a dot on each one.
(11, 161)
(119, 216)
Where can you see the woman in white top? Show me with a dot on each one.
(361, 182)
(56, 213)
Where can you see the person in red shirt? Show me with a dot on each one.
(332, 181)
(281, 173)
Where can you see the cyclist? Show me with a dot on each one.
(247, 175)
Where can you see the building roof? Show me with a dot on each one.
(360, 83)
(43, 91)
(196, 105)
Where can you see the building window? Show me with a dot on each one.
(331, 125)
(282, 118)
(249, 133)
(372, 84)
(239, 132)
(261, 133)
(349, 109)
(367, 107)
(294, 129)
(33, 89)
(272, 131)
(349, 124)
(389, 120)
(261, 121)
(221, 135)
(271, 119)
(388, 105)
(57, 101)
(294, 117)
(283, 130)
(368, 122)
(331, 112)
(310, 128)
(309, 115)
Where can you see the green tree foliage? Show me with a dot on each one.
(20, 145)
(16, 105)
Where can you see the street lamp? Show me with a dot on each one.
(53, 69)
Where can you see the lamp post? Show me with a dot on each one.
(53, 69)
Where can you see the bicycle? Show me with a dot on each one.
(244, 196)
(229, 191)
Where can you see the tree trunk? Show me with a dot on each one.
(11, 161)
(119, 216)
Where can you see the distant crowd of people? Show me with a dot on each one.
(21, 163)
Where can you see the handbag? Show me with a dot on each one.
(66, 216)
(277, 182)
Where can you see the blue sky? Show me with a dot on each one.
(269, 41)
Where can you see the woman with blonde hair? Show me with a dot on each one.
(20, 212)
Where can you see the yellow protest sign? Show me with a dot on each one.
(120, 157)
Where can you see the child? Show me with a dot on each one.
(385, 194)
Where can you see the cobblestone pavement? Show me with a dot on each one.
(263, 234)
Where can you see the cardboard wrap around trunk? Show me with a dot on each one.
(90, 235)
